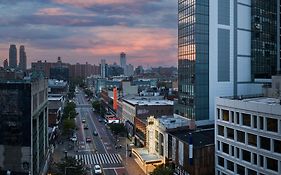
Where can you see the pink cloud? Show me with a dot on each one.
(53, 11)
(87, 3)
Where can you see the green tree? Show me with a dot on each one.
(69, 110)
(96, 105)
(89, 93)
(162, 170)
(68, 125)
(117, 128)
(70, 166)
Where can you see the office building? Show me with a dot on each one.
(223, 46)
(248, 132)
(23, 125)
(13, 56)
(22, 59)
(248, 136)
(123, 61)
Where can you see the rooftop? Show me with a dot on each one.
(263, 100)
(56, 83)
(200, 137)
(151, 101)
(173, 121)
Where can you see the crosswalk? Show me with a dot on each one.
(92, 159)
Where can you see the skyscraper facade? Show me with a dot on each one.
(103, 69)
(223, 47)
(264, 38)
(13, 56)
(22, 59)
(193, 59)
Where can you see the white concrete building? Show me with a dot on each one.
(248, 136)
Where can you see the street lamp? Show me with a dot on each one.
(65, 154)
(70, 167)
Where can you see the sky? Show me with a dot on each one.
(90, 30)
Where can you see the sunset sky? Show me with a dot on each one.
(90, 30)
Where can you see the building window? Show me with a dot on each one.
(272, 164)
(246, 155)
(232, 151)
(238, 153)
(218, 113)
(225, 115)
(251, 172)
(230, 165)
(265, 143)
(232, 116)
(219, 146)
(240, 170)
(252, 139)
(246, 119)
(225, 148)
(240, 136)
(255, 121)
(230, 133)
(261, 161)
(272, 124)
(277, 146)
(220, 130)
(237, 118)
(220, 161)
(255, 158)
(261, 123)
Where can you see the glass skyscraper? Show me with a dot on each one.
(193, 59)
(264, 38)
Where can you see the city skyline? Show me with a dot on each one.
(93, 30)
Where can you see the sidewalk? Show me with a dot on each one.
(129, 162)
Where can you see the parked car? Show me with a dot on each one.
(83, 120)
(97, 169)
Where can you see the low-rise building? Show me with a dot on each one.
(192, 151)
(135, 111)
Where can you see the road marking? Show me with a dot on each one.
(110, 168)
(92, 159)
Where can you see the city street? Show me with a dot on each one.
(100, 148)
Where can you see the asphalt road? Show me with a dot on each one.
(101, 150)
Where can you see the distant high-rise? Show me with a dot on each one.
(22, 61)
(103, 69)
(13, 56)
(123, 60)
(5, 63)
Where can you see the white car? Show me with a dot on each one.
(97, 169)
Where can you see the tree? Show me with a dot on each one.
(70, 166)
(117, 128)
(68, 125)
(69, 110)
(162, 170)
(96, 105)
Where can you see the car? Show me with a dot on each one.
(100, 120)
(82, 145)
(88, 139)
(95, 133)
(83, 120)
(86, 126)
(74, 138)
(97, 169)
